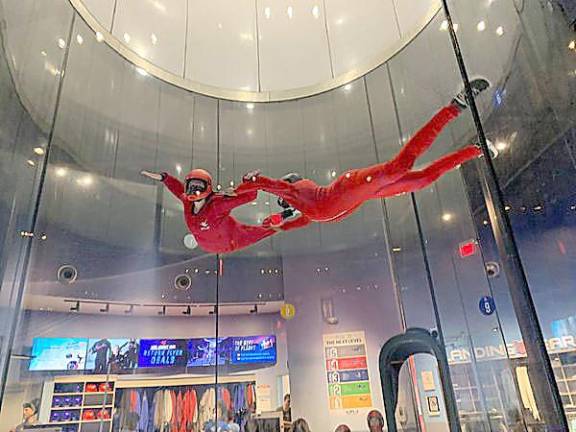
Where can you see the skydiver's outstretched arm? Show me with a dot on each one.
(172, 183)
(254, 181)
(237, 198)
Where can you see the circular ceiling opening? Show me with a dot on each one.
(257, 50)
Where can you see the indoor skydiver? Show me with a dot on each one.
(342, 197)
(207, 213)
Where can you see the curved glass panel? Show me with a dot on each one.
(115, 319)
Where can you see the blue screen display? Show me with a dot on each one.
(58, 354)
(202, 352)
(241, 350)
(162, 353)
(253, 350)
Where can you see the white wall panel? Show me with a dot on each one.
(293, 44)
(411, 13)
(155, 29)
(221, 47)
(359, 31)
(262, 45)
(102, 11)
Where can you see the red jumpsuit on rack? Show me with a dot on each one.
(343, 196)
(214, 228)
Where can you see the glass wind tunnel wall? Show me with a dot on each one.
(98, 121)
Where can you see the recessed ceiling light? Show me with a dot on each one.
(267, 12)
(154, 39)
(500, 31)
(39, 151)
(481, 26)
(99, 37)
(79, 39)
(85, 181)
(31, 162)
(61, 172)
(447, 217)
(61, 43)
(127, 38)
(316, 12)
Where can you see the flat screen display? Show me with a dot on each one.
(58, 354)
(240, 350)
(112, 355)
(162, 353)
(253, 350)
(104, 355)
(202, 352)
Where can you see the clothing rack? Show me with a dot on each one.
(182, 404)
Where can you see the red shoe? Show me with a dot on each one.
(91, 388)
(104, 387)
(88, 415)
(104, 414)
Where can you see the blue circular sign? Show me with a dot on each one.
(487, 305)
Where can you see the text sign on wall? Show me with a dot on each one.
(347, 371)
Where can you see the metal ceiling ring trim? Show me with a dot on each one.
(249, 96)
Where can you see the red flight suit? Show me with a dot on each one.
(214, 228)
(348, 192)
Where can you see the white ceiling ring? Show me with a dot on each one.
(250, 96)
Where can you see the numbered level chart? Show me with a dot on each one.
(348, 376)
(349, 402)
(349, 389)
(346, 363)
(347, 371)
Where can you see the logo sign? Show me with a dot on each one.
(487, 305)
(287, 311)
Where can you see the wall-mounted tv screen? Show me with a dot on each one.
(58, 354)
(103, 355)
(112, 355)
(202, 351)
(240, 350)
(163, 353)
(253, 350)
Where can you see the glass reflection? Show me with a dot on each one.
(114, 319)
